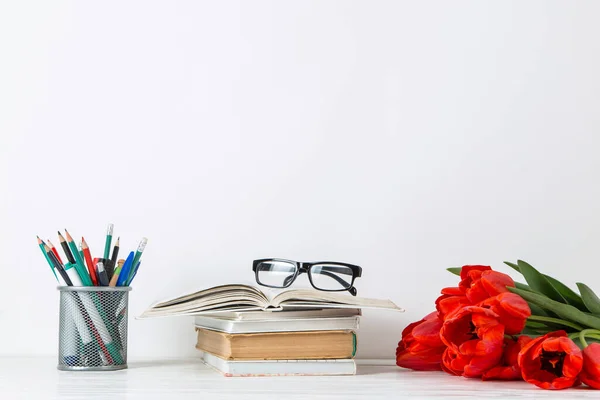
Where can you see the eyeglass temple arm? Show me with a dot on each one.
(342, 282)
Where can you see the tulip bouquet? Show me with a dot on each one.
(491, 327)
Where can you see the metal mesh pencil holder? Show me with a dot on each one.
(93, 328)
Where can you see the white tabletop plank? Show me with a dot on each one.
(38, 378)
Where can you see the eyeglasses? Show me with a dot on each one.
(323, 275)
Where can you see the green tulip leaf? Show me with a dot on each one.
(454, 270)
(537, 310)
(535, 325)
(555, 323)
(522, 286)
(539, 282)
(564, 311)
(569, 295)
(590, 299)
(513, 266)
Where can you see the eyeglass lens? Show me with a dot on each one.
(275, 273)
(331, 277)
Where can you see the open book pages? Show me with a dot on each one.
(232, 298)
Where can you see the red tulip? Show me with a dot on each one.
(479, 282)
(551, 361)
(590, 374)
(509, 368)
(421, 347)
(452, 363)
(511, 309)
(447, 303)
(475, 339)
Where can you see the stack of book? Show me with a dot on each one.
(311, 342)
(243, 332)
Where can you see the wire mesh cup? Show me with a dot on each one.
(93, 328)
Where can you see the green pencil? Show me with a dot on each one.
(137, 256)
(79, 265)
(109, 232)
(41, 244)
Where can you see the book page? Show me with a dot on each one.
(228, 290)
(315, 298)
(225, 298)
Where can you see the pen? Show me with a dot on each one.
(124, 275)
(109, 232)
(73, 275)
(110, 266)
(102, 277)
(138, 254)
(115, 277)
(88, 260)
(135, 270)
(65, 248)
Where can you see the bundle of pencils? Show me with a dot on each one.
(101, 271)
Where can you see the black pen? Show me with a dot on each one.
(101, 272)
(110, 264)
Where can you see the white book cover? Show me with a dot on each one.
(280, 325)
(279, 367)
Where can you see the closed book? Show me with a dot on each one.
(278, 346)
(279, 367)
(276, 325)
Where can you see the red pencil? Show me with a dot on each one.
(54, 250)
(89, 262)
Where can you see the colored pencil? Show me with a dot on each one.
(54, 250)
(88, 259)
(138, 254)
(65, 247)
(83, 273)
(81, 252)
(57, 265)
(41, 245)
(109, 232)
(115, 277)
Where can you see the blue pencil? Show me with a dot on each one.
(124, 275)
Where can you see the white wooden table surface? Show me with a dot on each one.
(38, 378)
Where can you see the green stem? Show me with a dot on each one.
(582, 337)
(556, 321)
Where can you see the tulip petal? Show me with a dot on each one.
(590, 374)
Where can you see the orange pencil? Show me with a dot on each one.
(88, 259)
(54, 250)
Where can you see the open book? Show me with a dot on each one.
(229, 298)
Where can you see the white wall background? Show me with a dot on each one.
(404, 136)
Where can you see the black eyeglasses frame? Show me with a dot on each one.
(305, 267)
